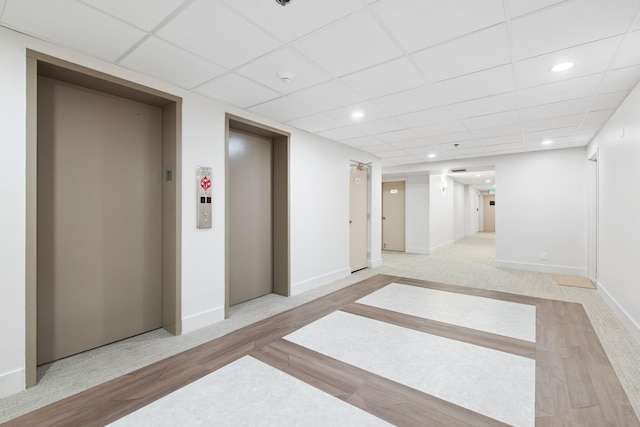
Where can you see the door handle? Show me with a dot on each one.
(350, 221)
(384, 218)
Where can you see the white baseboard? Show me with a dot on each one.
(200, 320)
(307, 285)
(631, 325)
(12, 382)
(460, 237)
(423, 251)
(542, 268)
(473, 233)
(374, 263)
(435, 249)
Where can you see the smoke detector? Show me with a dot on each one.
(282, 2)
(286, 76)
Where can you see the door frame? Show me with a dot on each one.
(39, 63)
(281, 205)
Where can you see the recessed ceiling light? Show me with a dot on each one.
(477, 174)
(547, 142)
(563, 66)
(431, 156)
(488, 181)
(357, 114)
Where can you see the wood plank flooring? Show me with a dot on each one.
(575, 383)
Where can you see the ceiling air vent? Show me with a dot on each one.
(458, 170)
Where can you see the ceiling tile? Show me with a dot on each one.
(284, 109)
(393, 76)
(381, 126)
(568, 24)
(478, 51)
(605, 101)
(620, 79)
(339, 134)
(205, 27)
(493, 120)
(380, 148)
(538, 136)
(412, 144)
(508, 131)
(392, 153)
(298, 18)
(424, 149)
(502, 139)
(477, 85)
(579, 87)
(522, 7)
(590, 128)
(487, 105)
(369, 109)
(326, 96)
(316, 123)
(362, 142)
(398, 135)
(629, 53)
(590, 58)
(548, 111)
(163, 60)
(409, 101)
(440, 129)
(450, 138)
(266, 68)
(427, 117)
(554, 123)
(598, 116)
(237, 90)
(145, 14)
(422, 23)
(341, 50)
(72, 24)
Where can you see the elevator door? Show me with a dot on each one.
(250, 217)
(99, 219)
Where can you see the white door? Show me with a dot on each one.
(358, 217)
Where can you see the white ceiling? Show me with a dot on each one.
(427, 74)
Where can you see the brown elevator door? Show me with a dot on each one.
(250, 217)
(99, 219)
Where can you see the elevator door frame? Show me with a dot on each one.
(41, 64)
(280, 187)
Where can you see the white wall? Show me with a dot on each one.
(619, 210)
(318, 197)
(417, 225)
(441, 212)
(12, 213)
(541, 207)
(459, 211)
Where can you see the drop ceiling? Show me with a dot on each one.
(456, 79)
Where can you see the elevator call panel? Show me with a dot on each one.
(203, 196)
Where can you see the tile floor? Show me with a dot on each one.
(468, 263)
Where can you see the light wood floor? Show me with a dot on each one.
(575, 383)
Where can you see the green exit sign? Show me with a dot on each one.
(492, 191)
